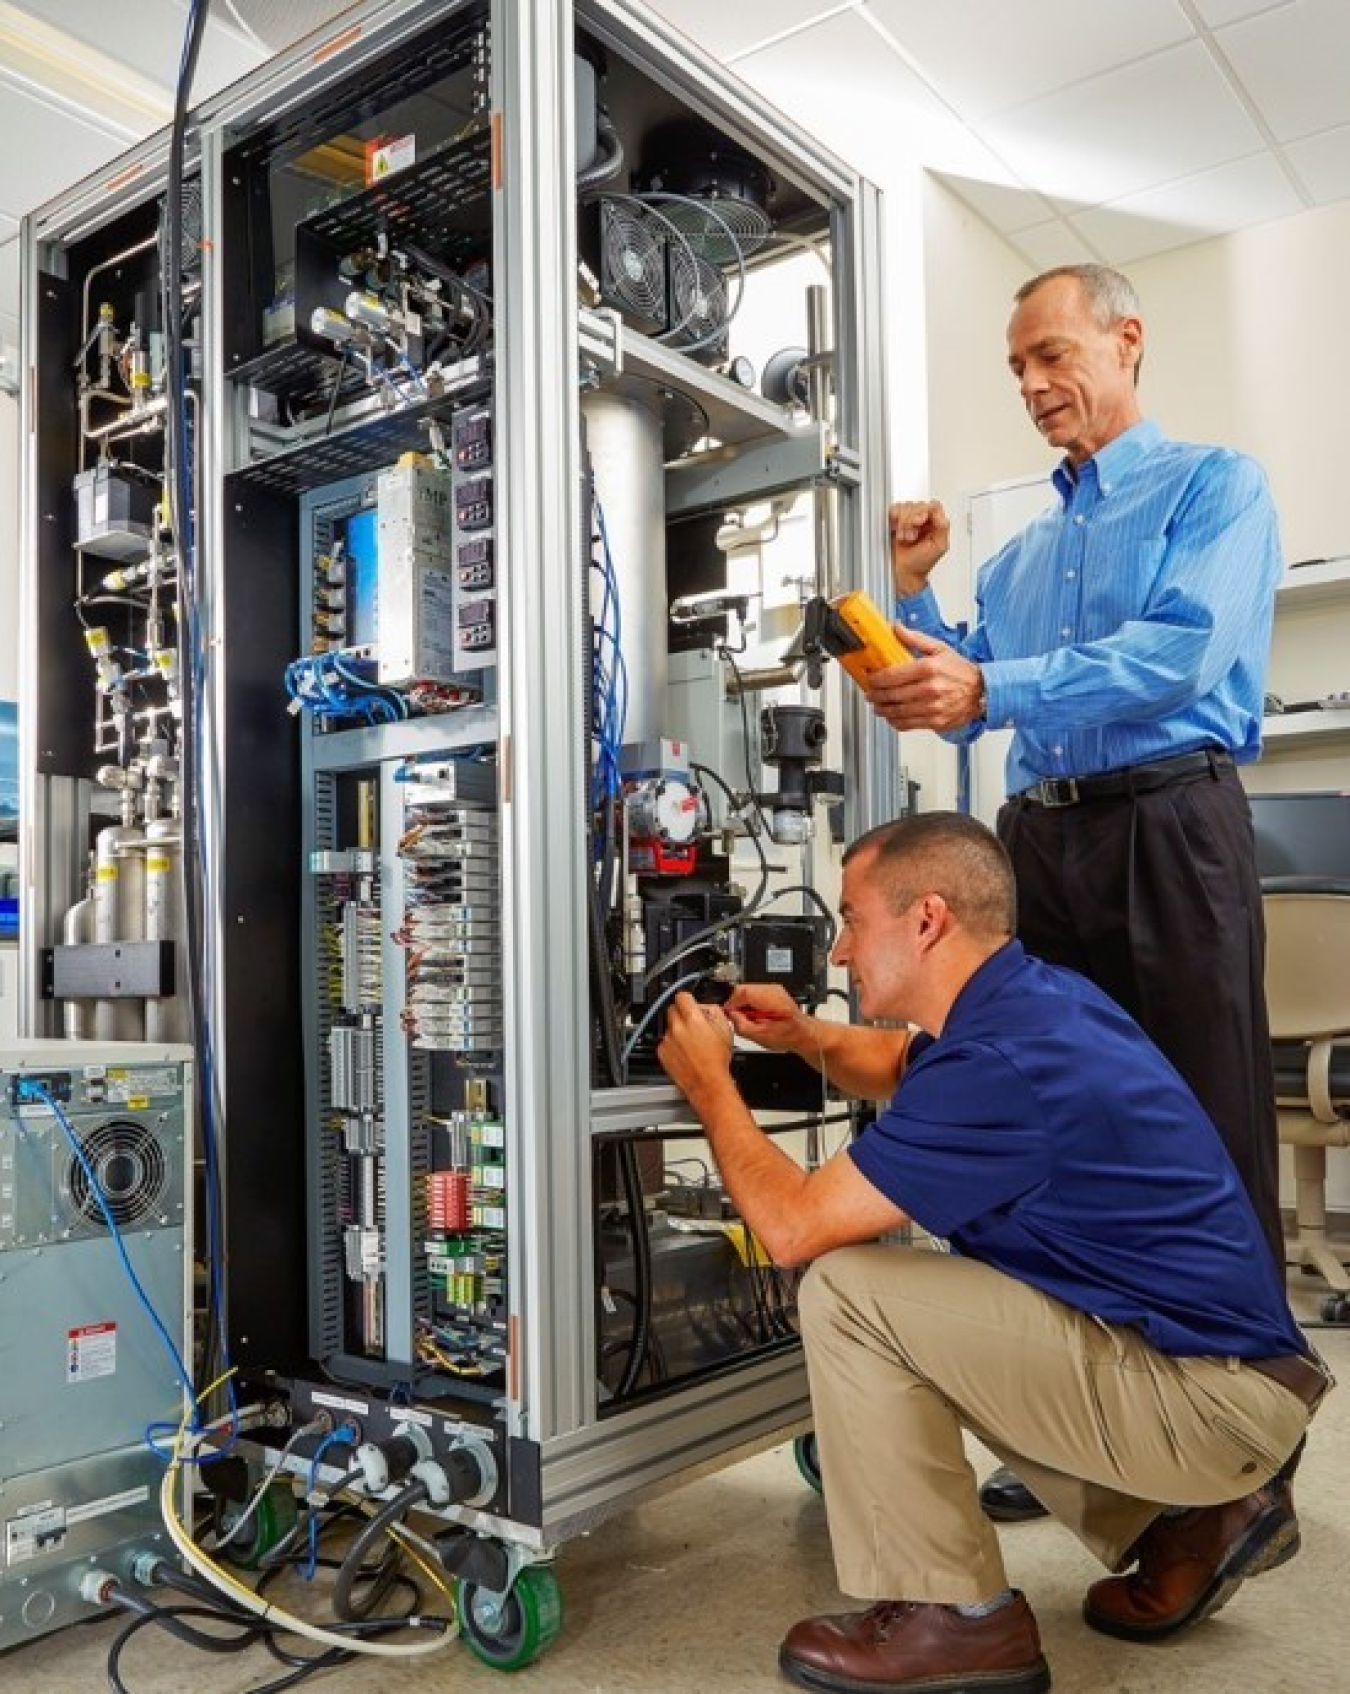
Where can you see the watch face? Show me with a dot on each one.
(740, 370)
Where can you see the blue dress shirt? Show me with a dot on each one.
(1044, 1134)
(1130, 621)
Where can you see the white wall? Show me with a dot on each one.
(978, 430)
(1246, 345)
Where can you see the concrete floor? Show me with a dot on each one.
(694, 1591)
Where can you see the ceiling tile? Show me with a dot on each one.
(986, 58)
(57, 150)
(724, 30)
(1232, 196)
(149, 35)
(1049, 244)
(1006, 206)
(1323, 163)
(1216, 13)
(1128, 130)
(876, 110)
(1293, 64)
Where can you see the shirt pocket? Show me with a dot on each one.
(1120, 578)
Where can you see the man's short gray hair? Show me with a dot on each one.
(1110, 295)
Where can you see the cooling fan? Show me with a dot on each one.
(698, 300)
(132, 1170)
(633, 264)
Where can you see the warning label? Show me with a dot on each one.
(91, 1351)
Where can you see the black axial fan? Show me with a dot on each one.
(698, 300)
(129, 1165)
(633, 264)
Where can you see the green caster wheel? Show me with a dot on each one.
(269, 1526)
(808, 1460)
(511, 1632)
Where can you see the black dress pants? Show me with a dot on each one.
(1155, 897)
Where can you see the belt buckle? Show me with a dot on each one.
(1058, 791)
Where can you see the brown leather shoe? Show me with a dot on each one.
(1192, 1564)
(922, 1649)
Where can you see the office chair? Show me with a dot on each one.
(1308, 999)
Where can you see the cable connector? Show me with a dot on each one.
(383, 1463)
(147, 1569)
(97, 1587)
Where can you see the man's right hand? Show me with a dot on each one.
(767, 1014)
(921, 533)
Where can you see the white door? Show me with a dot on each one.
(993, 516)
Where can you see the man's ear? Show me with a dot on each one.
(934, 919)
(1131, 332)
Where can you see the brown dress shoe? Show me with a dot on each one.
(922, 1649)
(1192, 1564)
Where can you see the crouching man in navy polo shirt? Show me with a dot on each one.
(1107, 1321)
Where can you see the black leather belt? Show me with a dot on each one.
(1296, 1372)
(1135, 779)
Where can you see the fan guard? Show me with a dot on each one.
(132, 1171)
(633, 261)
(698, 297)
(722, 230)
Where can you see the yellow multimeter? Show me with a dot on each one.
(853, 629)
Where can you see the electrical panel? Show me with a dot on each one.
(95, 1152)
(420, 711)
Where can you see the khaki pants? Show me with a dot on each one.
(908, 1347)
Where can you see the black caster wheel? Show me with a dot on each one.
(508, 1632)
(1336, 1309)
(808, 1460)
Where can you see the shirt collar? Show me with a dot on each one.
(1110, 463)
(988, 980)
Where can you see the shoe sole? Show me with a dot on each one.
(1034, 1679)
(1012, 1514)
(1265, 1547)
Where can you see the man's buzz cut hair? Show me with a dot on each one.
(951, 854)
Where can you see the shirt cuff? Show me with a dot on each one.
(921, 610)
(1010, 690)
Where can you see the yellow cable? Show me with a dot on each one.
(252, 1602)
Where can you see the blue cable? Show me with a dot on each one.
(335, 1438)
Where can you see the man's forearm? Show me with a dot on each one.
(765, 1184)
(861, 1062)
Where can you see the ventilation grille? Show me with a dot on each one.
(132, 1169)
(633, 263)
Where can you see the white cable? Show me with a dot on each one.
(244, 1596)
(269, 1478)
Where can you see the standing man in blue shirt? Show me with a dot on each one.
(1123, 637)
(1106, 1318)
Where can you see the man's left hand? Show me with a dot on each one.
(940, 690)
(695, 1051)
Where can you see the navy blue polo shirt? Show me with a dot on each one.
(1044, 1134)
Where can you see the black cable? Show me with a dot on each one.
(168, 1618)
(337, 389)
(602, 987)
(703, 937)
(805, 889)
(349, 1571)
(642, 1268)
(724, 652)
